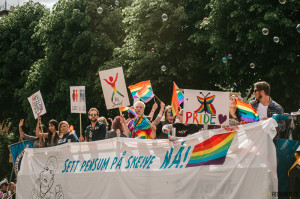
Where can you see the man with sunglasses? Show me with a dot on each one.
(264, 104)
(96, 130)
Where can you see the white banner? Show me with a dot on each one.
(37, 104)
(114, 88)
(223, 163)
(206, 107)
(78, 99)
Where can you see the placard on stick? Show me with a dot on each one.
(114, 88)
(78, 99)
(37, 104)
(206, 107)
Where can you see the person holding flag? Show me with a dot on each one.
(141, 127)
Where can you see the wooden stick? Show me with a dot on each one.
(80, 125)
(157, 98)
(42, 130)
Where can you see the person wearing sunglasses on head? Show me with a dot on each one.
(96, 130)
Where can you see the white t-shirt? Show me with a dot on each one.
(262, 111)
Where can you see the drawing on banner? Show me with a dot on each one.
(37, 104)
(44, 187)
(210, 107)
(112, 83)
(78, 99)
(114, 88)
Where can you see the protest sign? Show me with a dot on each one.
(237, 162)
(114, 88)
(78, 99)
(37, 104)
(206, 107)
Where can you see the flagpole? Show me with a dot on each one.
(42, 129)
(157, 98)
(80, 125)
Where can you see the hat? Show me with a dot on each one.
(4, 182)
(296, 113)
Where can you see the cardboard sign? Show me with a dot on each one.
(206, 107)
(114, 88)
(78, 99)
(37, 104)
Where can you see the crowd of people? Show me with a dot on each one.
(141, 126)
(8, 190)
(145, 126)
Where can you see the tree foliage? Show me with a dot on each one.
(235, 27)
(18, 51)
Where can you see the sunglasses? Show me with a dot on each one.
(93, 114)
(256, 90)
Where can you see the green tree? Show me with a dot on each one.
(235, 27)
(18, 51)
(77, 41)
(152, 42)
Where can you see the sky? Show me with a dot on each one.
(47, 3)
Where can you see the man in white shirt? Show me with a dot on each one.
(264, 104)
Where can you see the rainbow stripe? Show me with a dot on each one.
(179, 94)
(145, 94)
(135, 88)
(246, 111)
(129, 109)
(212, 151)
(174, 102)
(141, 128)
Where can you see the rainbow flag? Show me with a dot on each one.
(246, 111)
(135, 88)
(212, 151)
(177, 99)
(145, 94)
(72, 130)
(180, 95)
(129, 109)
(141, 128)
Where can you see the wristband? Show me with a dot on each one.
(169, 134)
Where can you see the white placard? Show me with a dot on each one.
(206, 107)
(78, 99)
(37, 104)
(114, 88)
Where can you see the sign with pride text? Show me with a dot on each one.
(78, 99)
(206, 107)
(114, 88)
(37, 104)
(220, 163)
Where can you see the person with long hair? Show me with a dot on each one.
(166, 119)
(64, 129)
(52, 134)
(117, 128)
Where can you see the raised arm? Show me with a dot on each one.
(37, 129)
(154, 107)
(159, 116)
(20, 128)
